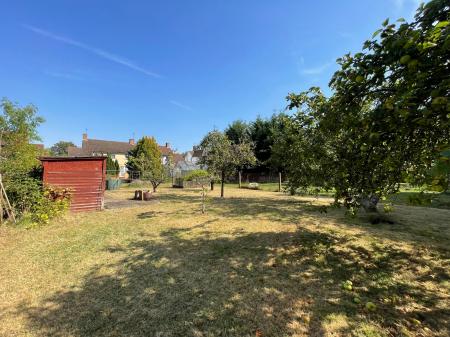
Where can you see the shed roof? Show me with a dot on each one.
(72, 158)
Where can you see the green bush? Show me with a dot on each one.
(196, 174)
(53, 202)
(23, 191)
(420, 199)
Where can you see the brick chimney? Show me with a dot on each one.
(85, 136)
(168, 145)
(131, 141)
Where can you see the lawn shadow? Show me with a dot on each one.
(279, 283)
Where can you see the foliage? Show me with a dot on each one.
(388, 113)
(221, 157)
(60, 148)
(238, 132)
(18, 157)
(146, 158)
(23, 191)
(196, 174)
(18, 129)
(262, 134)
(53, 202)
(112, 166)
(439, 175)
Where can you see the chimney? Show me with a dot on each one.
(85, 137)
(131, 141)
(168, 145)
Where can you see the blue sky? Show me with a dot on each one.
(173, 69)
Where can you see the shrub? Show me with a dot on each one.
(419, 199)
(196, 174)
(23, 191)
(53, 202)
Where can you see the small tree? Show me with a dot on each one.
(222, 158)
(18, 156)
(60, 148)
(244, 157)
(146, 158)
(112, 166)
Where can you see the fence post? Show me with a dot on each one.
(279, 181)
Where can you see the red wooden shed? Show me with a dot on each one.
(85, 176)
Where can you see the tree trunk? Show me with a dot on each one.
(240, 178)
(279, 181)
(212, 185)
(222, 184)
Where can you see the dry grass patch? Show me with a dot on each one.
(256, 261)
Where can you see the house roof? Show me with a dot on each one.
(74, 151)
(93, 146)
(105, 146)
(177, 158)
(197, 153)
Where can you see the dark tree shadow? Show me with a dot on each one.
(281, 283)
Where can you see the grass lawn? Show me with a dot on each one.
(257, 260)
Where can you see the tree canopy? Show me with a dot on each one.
(221, 157)
(388, 114)
(60, 148)
(146, 158)
(18, 156)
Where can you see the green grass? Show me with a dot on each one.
(408, 195)
(255, 260)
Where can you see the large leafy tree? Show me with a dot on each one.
(60, 148)
(221, 157)
(238, 132)
(146, 158)
(389, 112)
(261, 136)
(302, 148)
(18, 156)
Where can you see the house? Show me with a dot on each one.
(194, 155)
(117, 150)
(189, 163)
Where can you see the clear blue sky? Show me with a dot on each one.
(173, 69)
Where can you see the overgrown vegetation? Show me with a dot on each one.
(20, 167)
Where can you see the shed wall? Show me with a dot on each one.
(86, 179)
